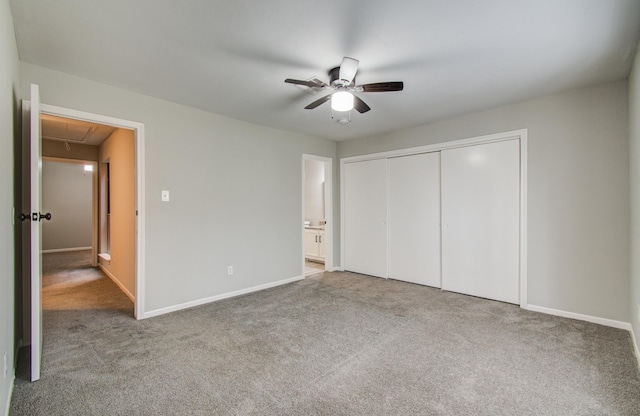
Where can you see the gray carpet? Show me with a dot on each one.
(332, 344)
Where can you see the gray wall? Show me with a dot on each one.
(67, 195)
(578, 191)
(8, 127)
(634, 162)
(236, 190)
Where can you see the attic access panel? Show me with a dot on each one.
(77, 131)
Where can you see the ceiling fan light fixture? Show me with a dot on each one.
(342, 101)
(343, 85)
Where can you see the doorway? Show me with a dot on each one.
(134, 290)
(92, 201)
(33, 112)
(317, 235)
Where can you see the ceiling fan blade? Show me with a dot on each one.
(360, 106)
(381, 87)
(310, 84)
(316, 103)
(348, 68)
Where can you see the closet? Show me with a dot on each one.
(448, 218)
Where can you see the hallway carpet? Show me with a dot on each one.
(70, 283)
(332, 344)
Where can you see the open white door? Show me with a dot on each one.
(36, 241)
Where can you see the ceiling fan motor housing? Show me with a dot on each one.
(336, 82)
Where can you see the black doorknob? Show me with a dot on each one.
(36, 216)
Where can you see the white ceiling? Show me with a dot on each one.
(231, 56)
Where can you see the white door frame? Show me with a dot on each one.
(138, 129)
(514, 134)
(328, 209)
(94, 199)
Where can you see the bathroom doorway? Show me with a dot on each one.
(317, 222)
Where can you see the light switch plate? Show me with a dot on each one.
(165, 196)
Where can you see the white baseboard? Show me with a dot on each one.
(635, 346)
(118, 283)
(594, 319)
(62, 250)
(588, 318)
(9, 394)
(215, 298)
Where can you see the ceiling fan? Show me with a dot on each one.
(342, 80)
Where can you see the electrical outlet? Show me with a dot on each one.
(4, 371)
(165, 196)
(230, 270)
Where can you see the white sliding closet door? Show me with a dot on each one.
(480, 220)
(365, 222)
(414, 218)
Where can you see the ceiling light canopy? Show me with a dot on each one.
(342, 101)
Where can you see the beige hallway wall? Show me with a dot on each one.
(119, 151)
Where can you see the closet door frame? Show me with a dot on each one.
(521, 135)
